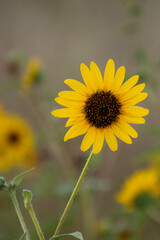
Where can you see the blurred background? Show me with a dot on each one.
(42, 43)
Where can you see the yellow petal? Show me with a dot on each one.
(66, 112)
(69, 103)
(133, 92)
(136, 111)
(119, 78)
(128, 129)
(77, 130)
(109, 75)
(70, 95)
(128, 84)
(111, 139)
(135, 120)
(98, 142)
(137, 99)
(121, 134)
(88, 139)
(87, 77)
(98, 80)
(73, 120)
(77, 86)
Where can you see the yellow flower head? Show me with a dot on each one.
(16, 142)
(103, 107)
(142, 183)
(32, 74)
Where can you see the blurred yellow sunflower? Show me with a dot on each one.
(16, 143)
(32, 74)
(139, 187)
(102, 108)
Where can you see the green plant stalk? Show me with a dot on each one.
(19, 214)
(35, 221)
(75, 190)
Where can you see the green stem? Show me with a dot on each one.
(19, 214)
(75, 190)
(35, 221)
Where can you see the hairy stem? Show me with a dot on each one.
(35, 221)
(19, 214)
(75, 190)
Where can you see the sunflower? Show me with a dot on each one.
(136, 191)
(102, 108)
(16, 142)
(32, 74)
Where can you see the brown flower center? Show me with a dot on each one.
(13, 138)
(102, 109)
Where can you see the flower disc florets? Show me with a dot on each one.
(102, 109)
(13, 138)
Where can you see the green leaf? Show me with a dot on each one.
(2, 181)
(27, 194)
(23, 237)
(3, 184)
(77, 235)
(17, 180)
